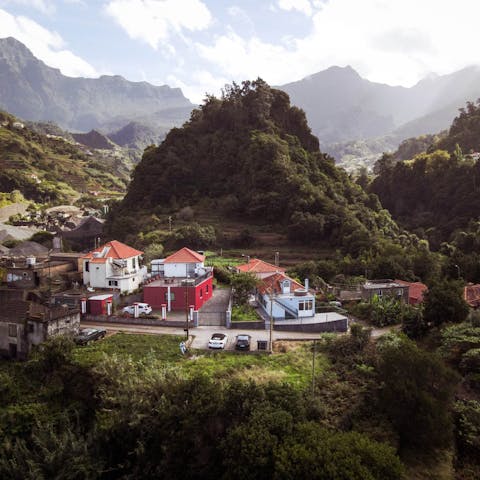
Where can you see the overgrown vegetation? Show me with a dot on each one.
(133, 406)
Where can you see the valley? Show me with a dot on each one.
(333, 221)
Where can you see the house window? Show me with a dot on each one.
(12, 330)
(201, 293)
(113, 283)
(399, 292)
(133, 263)
(87, 266)
(172, 296)
(305, 305)
(379, 293)
(206, 288)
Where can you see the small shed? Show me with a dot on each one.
(97, 305)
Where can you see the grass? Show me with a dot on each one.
(244, 314)
(291, 364)
(164, 348)
(213, 259)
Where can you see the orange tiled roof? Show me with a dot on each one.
(415, 290)
(113, 249)
(259, 266)
(185, 255)
(272, 283)
(472, 295)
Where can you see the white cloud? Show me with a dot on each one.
(302, 6)
(154, 21)
(391, 41)
(45, 45)
(200, 83)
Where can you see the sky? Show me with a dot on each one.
(201, 45)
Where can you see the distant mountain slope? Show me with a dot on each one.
(94, 139)
(52, 169)
(341, 106)
(138, 136)
(33, 91)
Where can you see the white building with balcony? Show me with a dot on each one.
(114, 266)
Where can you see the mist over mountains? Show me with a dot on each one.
(342, 106)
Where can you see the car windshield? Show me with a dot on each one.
(218, 336)
(243, 338)
(87, 331)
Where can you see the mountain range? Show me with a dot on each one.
(31, 90)
(342, 107)
(352, 117)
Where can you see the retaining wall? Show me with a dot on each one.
(260, 325)
(134, 321)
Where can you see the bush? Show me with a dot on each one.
(222, 275)
(467, 433)
(416, 394)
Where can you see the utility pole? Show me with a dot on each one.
(186, 306)
(313, 366)
(271, 322)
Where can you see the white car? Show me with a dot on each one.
(143, 309)
(218, 340)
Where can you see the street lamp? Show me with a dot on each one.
(458, 271)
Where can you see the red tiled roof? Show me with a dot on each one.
(272, 282)
(185, 255)
(415, 291)
(472, 295)
(259, 266)
(113, 249)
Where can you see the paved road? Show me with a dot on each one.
(202, 334)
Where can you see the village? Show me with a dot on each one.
(49, 292)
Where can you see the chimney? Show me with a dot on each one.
(306, 284)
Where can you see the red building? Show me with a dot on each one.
(98, 304)
(182, 280)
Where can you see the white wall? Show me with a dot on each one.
(181, 269)
(292, 302)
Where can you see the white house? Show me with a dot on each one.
(113, 265)
(181, 264)
(285, 298)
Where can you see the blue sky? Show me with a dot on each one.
(200, 45)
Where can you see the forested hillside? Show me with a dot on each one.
(253, 157)
(436, 194)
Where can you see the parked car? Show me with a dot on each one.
(143, 309)
(335, 304)
(218, 340)
(243, 342)
(87, 335)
